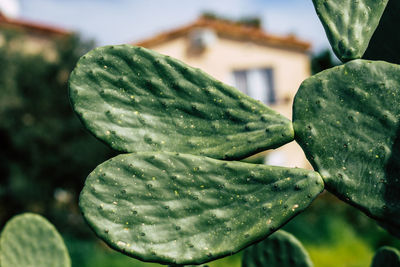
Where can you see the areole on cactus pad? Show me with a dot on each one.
(185, 209)
(31, 240)
(135, 99)
(161, 204)
(180, 208)
(365, 29)
(385, 43)
(349, 24)
(347, 120)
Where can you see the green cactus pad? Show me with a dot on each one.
(29, 240)
(135, 99)
(387, 257)
(349, 24)
(183, 209)
(281, 249)
(385, 43)
(347, 120)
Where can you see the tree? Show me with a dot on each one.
(45, 155)
(322, 61)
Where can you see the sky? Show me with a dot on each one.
(124, 21)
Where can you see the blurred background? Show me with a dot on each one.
(263, 48)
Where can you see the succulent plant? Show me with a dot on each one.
(179, 196)
(281, 249)
(171, 200)
(350, 24)
(385, 41)
(135, 99)
(386, 256)
(186, 209)
(349, 132)
(30, 240)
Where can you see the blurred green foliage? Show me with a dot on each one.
(248, 21)
(323, 60)
(45, 153)
(334, 234)
(102, 256)
(337, 234)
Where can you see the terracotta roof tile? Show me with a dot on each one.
(230, 30)
(31, 26)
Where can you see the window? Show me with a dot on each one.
(256, 83)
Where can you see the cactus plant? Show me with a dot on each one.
(29, 240)
(281, 249)
(386, 256)
(176, 199)
(361, 29)
(385, 42)
(349, 133)
(350, 24)
(135, 99)
(186, 209)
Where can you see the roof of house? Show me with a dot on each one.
(230, 30)
(31, 26)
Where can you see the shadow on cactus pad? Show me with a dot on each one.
(185, 209)
(30, 240)
(135, 99)
(347, 121)
(281, 249)
(387, 257)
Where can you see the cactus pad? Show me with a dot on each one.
(387, 257)
(135, 99)
(347, 121)
(29, 240)
(349, 24)
(281, 249)
(385, 42)
(183, 209)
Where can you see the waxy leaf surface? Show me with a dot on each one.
(349, 24)
(135, 99)
(281, 249)
(387, 257)
(347, 121)
(184, 209)
(29, 240)
(385, 43)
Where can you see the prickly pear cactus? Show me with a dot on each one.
(386, 256)
(186, 209)
(162, 206)
(385, 42)
(135, 99)
(347, 121)
(281, 249)
(159, 205)
(29, 240)
(349, 24)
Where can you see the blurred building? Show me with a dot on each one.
(27, 38)
(30, 37)
(267, 67)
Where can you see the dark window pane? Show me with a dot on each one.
(241, 80)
